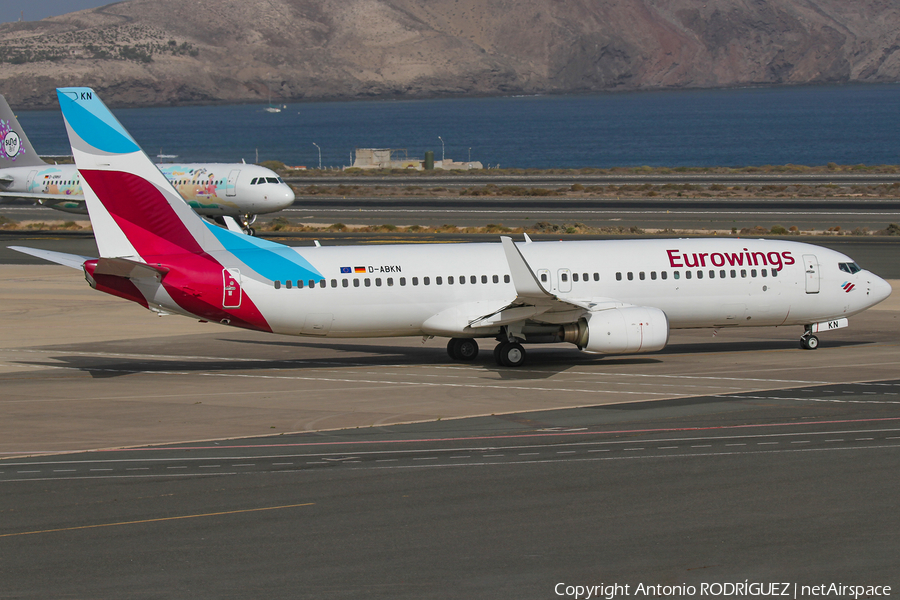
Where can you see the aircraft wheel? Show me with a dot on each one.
(251, 231)
(512, 354)
(467, 349)
(452, 348)
(497, 358)
(462, 349)
(809, 342)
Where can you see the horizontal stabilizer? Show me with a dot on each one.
(122, 267)
(67, 260)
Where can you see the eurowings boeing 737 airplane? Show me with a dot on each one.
(215, 190)
(609, 297)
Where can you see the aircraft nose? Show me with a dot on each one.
(879, 289)
(287, 197)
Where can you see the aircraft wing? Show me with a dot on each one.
(73, 261)
(532, 300)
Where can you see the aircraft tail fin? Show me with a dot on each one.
(15, 150)
(135, 212)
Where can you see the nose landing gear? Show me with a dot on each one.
(808, 341)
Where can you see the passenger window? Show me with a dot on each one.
(664, 275)
(426, 280)
(462, 279)
(774, 272)
(722, 273)
(585, 277)
(641, 275)
(321, 283)
(564, 277)
(277, 285)
(450, 280)
(630, 276)
(618, 277)
(596, 276)
(743, 272)
(712, 274)
(752, 272)
(764, 272)
(506, 279)
(699, 274)
(687, 274)
(300, 283)
(312, 283)
(495, 279)
(403, 281)
(676, 274)
(345, 283)
(378, 282)
(543, 278)
(484, 279)
(367, 282)
(356, 283)
(473, 279)
(287, 284)
(415, 281)
(653, 275)
(438, 280)
(574, 277)
(733, 273)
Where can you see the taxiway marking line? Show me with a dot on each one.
(216, 514)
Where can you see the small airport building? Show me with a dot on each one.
(397, 158)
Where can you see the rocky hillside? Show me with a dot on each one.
(154, 52)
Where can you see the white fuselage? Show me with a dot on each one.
(439, 289)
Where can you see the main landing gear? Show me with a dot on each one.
(507, 353)
(462, 349)
(808, 341)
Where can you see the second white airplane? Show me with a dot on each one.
(214, 190)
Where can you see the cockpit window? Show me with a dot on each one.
(271, 179)
(253, 182)
(850, 267)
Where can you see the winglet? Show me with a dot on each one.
(527, 285)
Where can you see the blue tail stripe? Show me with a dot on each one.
(93, 122)
(271, 260)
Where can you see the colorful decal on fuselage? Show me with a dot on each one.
(195, 185)
(54, 180)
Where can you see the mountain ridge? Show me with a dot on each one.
(167, 52)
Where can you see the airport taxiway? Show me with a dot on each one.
(244, 465)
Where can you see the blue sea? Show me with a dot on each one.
(734, 127)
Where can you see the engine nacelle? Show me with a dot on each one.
(626, 330)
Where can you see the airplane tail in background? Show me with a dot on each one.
(15, 150)
(135, 212)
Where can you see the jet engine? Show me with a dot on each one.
(626, 330)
